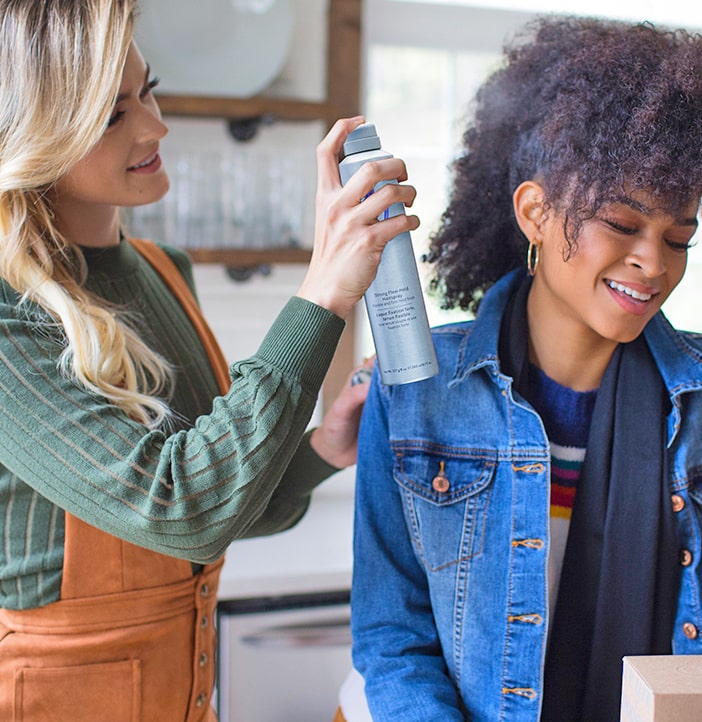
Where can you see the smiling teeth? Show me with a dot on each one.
(629, 291)
(148, 161)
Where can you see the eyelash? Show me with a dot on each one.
(148, 88)
(680, 247)
(153, 83)
(621, 229)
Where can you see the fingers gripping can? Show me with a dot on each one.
(394, 301)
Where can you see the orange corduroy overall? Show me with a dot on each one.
(132, 638)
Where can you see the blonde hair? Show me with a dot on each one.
(62, 63)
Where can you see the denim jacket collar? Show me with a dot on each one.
(681, 371)
(479, 347)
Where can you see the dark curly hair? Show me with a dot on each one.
(593, 110)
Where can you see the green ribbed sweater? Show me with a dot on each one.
(231, 468)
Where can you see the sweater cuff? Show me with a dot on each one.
(310, 464)
(302, 341)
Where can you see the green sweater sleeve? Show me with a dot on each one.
(187, 494)
(290, 500)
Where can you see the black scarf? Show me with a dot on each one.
(619, 584)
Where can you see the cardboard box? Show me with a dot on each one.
(664, 688)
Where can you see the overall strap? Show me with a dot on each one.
(172, 277)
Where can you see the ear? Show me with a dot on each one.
(528, 203)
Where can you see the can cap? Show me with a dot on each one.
(365, 137)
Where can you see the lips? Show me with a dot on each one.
(634, 298)
(145, 163)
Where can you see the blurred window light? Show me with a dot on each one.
(678, 13)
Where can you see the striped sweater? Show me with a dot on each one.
(229, 469)
(566, 415)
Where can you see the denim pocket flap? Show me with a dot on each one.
(443, 478)
(695, 488)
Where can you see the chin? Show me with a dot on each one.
(152, 195)
(626, 336)
(163, 187)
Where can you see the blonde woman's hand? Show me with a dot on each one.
(336, 438)
(349, 238)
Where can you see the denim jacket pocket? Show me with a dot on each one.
(445, 499)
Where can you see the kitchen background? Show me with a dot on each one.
(284, 647)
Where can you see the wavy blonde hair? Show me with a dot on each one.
(62, 63)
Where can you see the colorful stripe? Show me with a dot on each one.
(566, 465)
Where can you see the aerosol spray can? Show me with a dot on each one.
(394, 301)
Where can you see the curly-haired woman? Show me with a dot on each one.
(534, 513)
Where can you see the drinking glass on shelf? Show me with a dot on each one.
(237, 193)
(278, 203)
(198, 207)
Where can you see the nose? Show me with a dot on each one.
(151, 125)
(648, 254)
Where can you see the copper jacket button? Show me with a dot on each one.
(690, 630)
(678, 502)
(440, 484)
(685, 557)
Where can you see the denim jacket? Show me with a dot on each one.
(449, 602)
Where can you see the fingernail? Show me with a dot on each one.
(362, 376)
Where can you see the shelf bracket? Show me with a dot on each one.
(240, 274)
(246, 129)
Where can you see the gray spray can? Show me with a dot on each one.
(394, 301)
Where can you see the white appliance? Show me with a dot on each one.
(283, 659)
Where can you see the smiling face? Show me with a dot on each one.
(124, 168)
(627, 261)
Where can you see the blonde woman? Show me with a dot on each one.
(130, 456)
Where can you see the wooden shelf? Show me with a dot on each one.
(246, 258)
(255, 107)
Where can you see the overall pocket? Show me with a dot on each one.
(445, 497)
(109, 692)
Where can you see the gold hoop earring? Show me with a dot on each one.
(532, 258)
